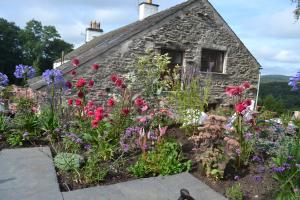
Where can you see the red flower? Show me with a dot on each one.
(119, 82)
(139, 101)
(80, 94)
(234, 91)
(69, 84)
(91, 83)
(239, 108)
(75, 62)
(80, 83)
(95, 123)
(99, 110)
(73, 73)
(70, 102)
(78, 102)
(246, 85)
(114, 78)
(111, 102)
(99, 117)
(90, 104)
(95, 66)
(90, 113)
(247, 102)
(125, 111)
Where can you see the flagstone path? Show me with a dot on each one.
(29, 174)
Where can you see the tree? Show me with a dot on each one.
(10, 48)
(297, 10)
(42, 45)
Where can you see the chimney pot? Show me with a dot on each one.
(146, 9)
(149, 1)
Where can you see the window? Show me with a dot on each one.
(212, 60)
(176, 59)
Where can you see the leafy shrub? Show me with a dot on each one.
(235, 192)
(4, 123)
(67, 161)
(166, 159)
(49, 121)
(93, 171)
(15, 139)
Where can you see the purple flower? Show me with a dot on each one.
(238, 152)
(24, 71)
(87, 147)
(3, 80)
(248, 136)
(279, 169)
(294, 82)
(258, 178)
(25, 134)
(236, 178)
(256, 158)
(54, 76)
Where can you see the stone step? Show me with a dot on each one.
(156, 188)
(28, 174)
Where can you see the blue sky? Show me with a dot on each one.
(267, 28)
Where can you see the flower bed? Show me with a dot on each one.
(127, 135)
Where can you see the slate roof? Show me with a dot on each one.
(103, 43)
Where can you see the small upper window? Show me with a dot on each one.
(176, 57)
(212, 60)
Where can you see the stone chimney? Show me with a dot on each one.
(93, 31)
(146, 9)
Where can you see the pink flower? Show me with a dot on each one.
(139, 101)
(78, 102)
(75, 62)
(80, 83)
(73, 73)
(144, 108)
(90, 113)
(95, 123)
(247, 102)
(111, 102)
(70, 102)
(142, 119)
(95, 66)
(114, 78)
(99, 110)
(246, 85)
(90, 104)
(239, 108)
(119, 82)
(234, 91)
(91, 83)
(69, 84)
(125, 111)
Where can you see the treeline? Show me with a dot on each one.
(278, 97)
(35, 45)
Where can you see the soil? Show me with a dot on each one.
(252, 189)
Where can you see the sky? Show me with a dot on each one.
(267, 28)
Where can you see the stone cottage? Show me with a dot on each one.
(192, 33)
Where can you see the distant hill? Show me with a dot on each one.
(274, 78)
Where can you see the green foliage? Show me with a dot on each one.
(67, 161)
(93, 171)
(15, 139)
(189, 100)
(272, 104)
(4, 123)
(153, 74)
(287, 170)
(49, 120)
(212, 162)
(11, 53)
(281, 92)
(235, 192)
(166, 159)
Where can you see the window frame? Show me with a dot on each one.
(224, 51)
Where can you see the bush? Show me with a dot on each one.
(166, 159)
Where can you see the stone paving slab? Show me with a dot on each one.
(157, 188)
(28, 174)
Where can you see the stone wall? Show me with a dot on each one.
(190, 30)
